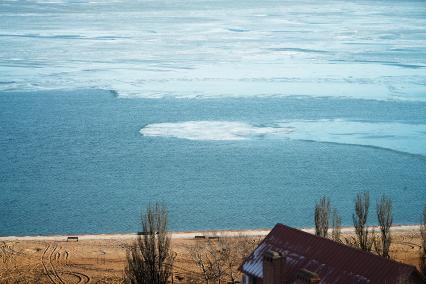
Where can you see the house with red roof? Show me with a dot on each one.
(289, 255)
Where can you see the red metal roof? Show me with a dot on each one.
(333, 262)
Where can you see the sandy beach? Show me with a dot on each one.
(101, 258)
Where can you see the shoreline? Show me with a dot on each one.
(190, 234)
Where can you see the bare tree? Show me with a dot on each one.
(423, 236)
(149, 258)
(322, 213)
(365, 237)
(384, 217)
(336, 224)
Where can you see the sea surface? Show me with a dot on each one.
(235, 114)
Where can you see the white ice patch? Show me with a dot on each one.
(211, 130)
(403, 137)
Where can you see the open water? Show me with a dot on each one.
(236, 114)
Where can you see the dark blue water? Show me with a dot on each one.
(75, 162)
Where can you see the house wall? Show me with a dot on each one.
(247, 279)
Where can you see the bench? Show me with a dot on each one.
(213, 238)
(145, 233)
(72, 239)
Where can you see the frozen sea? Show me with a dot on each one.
(236, 114)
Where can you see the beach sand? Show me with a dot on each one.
(101, 258)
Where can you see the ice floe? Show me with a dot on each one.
(211, 130)
(402, 137)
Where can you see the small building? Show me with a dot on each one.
(288, 255)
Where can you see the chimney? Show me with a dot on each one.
(305, 276)
(273, 268)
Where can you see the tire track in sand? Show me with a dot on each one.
(82, 278)
(51, 253)
(49, 268)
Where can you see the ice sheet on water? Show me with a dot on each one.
(403, 137)
(215, 49)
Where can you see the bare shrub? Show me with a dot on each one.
(8, 266)
(239, 248)
(384, 217)
(202, 260)
(149, 258)
(336, 225)
(321, 216)
(423, 236)
(365, 236)
(218, 259)
(351, 241)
